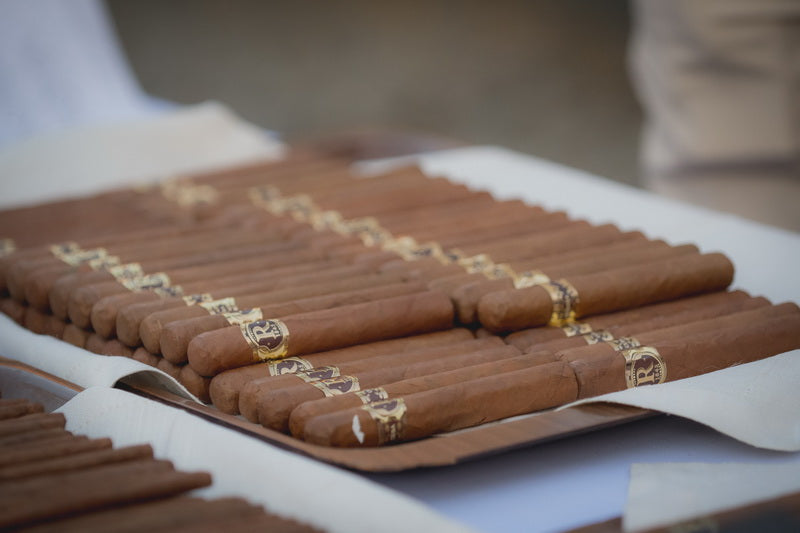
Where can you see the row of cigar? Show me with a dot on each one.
(278, 289)
(54, 480)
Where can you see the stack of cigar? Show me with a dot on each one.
(354, 311)
(53, 480)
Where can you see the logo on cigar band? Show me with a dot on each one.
(530, 278)
(147, 282)
(126, 271)
(500, 271)
(78, 257)
(168, 292)
(644, 366)
(243, 316)
(336, 386)
(290, 365)
(389, 417)
(377, 394)
(220, 306)
(565, 301)
(269, 339)
(194, 299)
(576, 328)
(623, 343)
(593, 337)
(477, 263)
(318, 373)
(104, 263)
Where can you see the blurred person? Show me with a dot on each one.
(719, 81)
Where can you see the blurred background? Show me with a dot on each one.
(542, 77)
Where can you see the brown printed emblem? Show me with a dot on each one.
(377, 394)
(644, 366)
(269, 339)
(318, 373)
(389, 417)
(290, 365)
(338, 385)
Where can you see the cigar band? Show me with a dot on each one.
(530, 278)
(126, 271)
(338, 385)
(269, 339)
(574, 329)
(7, 246)
(594, 337)
(454, 255)
(623, 343)
(146, 282)
(476, 263)
(375, 236)
(64, 248)
(501, 271)
(565, 301)
(389, 417)
(170, 291)
(319, 372)
(644, 366)
(301, 207)
(326, 220)
(430, 249)
(194, 299)
(263, 194)
(191, 195)
(243, 316)
(220, 306)
(80, 256)
(290, 365)
(104, 263)
(400, 245)
(378, 394)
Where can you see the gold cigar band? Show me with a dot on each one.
(60, 250)
(80, 256)
(594, 337)
(476, 263)
(189, 195)
(194, 299)
(429, 249)
(400, 245)
(317, 373)
(104, 263)
(565, 302)
(623, 343)
(242, 316)
(159, 280)
(500, 271)
(644, 366)
(367, 396)
(327, 220)
(530, 278)
(126, 271)
(338, 385)
(389, 417)
(263, 195)
(220, 306)
(268, 339)
(290, 365)
(574, 329)
(7, 246)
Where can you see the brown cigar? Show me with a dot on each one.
(17, 408)
(682, 323)
(51, 449)
(225, 387)
(310, 409)
(31, 422)
(77, 461)
(46, 497)
(172, 370)
(678, 358)
(466, 297)
(303, 305)
(95, 344)
(270, 400)
(528, 338)
(215, 351)
(143, 356)
(446, 408)
(13, 309)
(607, 291)
(74, 335)
(195, 383)
(49, 436)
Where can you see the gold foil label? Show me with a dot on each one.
(127, 271)
(319, 372)
(171, 291)
(104, 263)
(389, 417)
(576, 328)
(595, 337)
(375, 236)
(378, 394)
(565, 301)
(423, 251)
(243, 316)
(194, 299)
(338, 385)
(263, 195)
(64, 248)
(501, 271)
(327, 220)
(290, 365)
(147, 282)
(7, 246)
(220, 306)
(644, 366)
(476, 263)
(623, 343)
(530, 278)
(269, 339)
(191, 195)
(79, 256)
(401, 245)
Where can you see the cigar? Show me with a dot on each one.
(47, 497)
(95, 344)
(398, 389)
(225, 387)
(49, 436)
(195, 383)
(135, 323)
(446, 408)
(13, 310)
(77, 461)
(31, 422)
(466, 297)
(270, 400)
(17, 408)
(528, 338)
(49, 449)
(143, 356)
(215, 351)
(172, 370)
(687, 320)
(293, 307)
(75, 336)
(603, 292)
